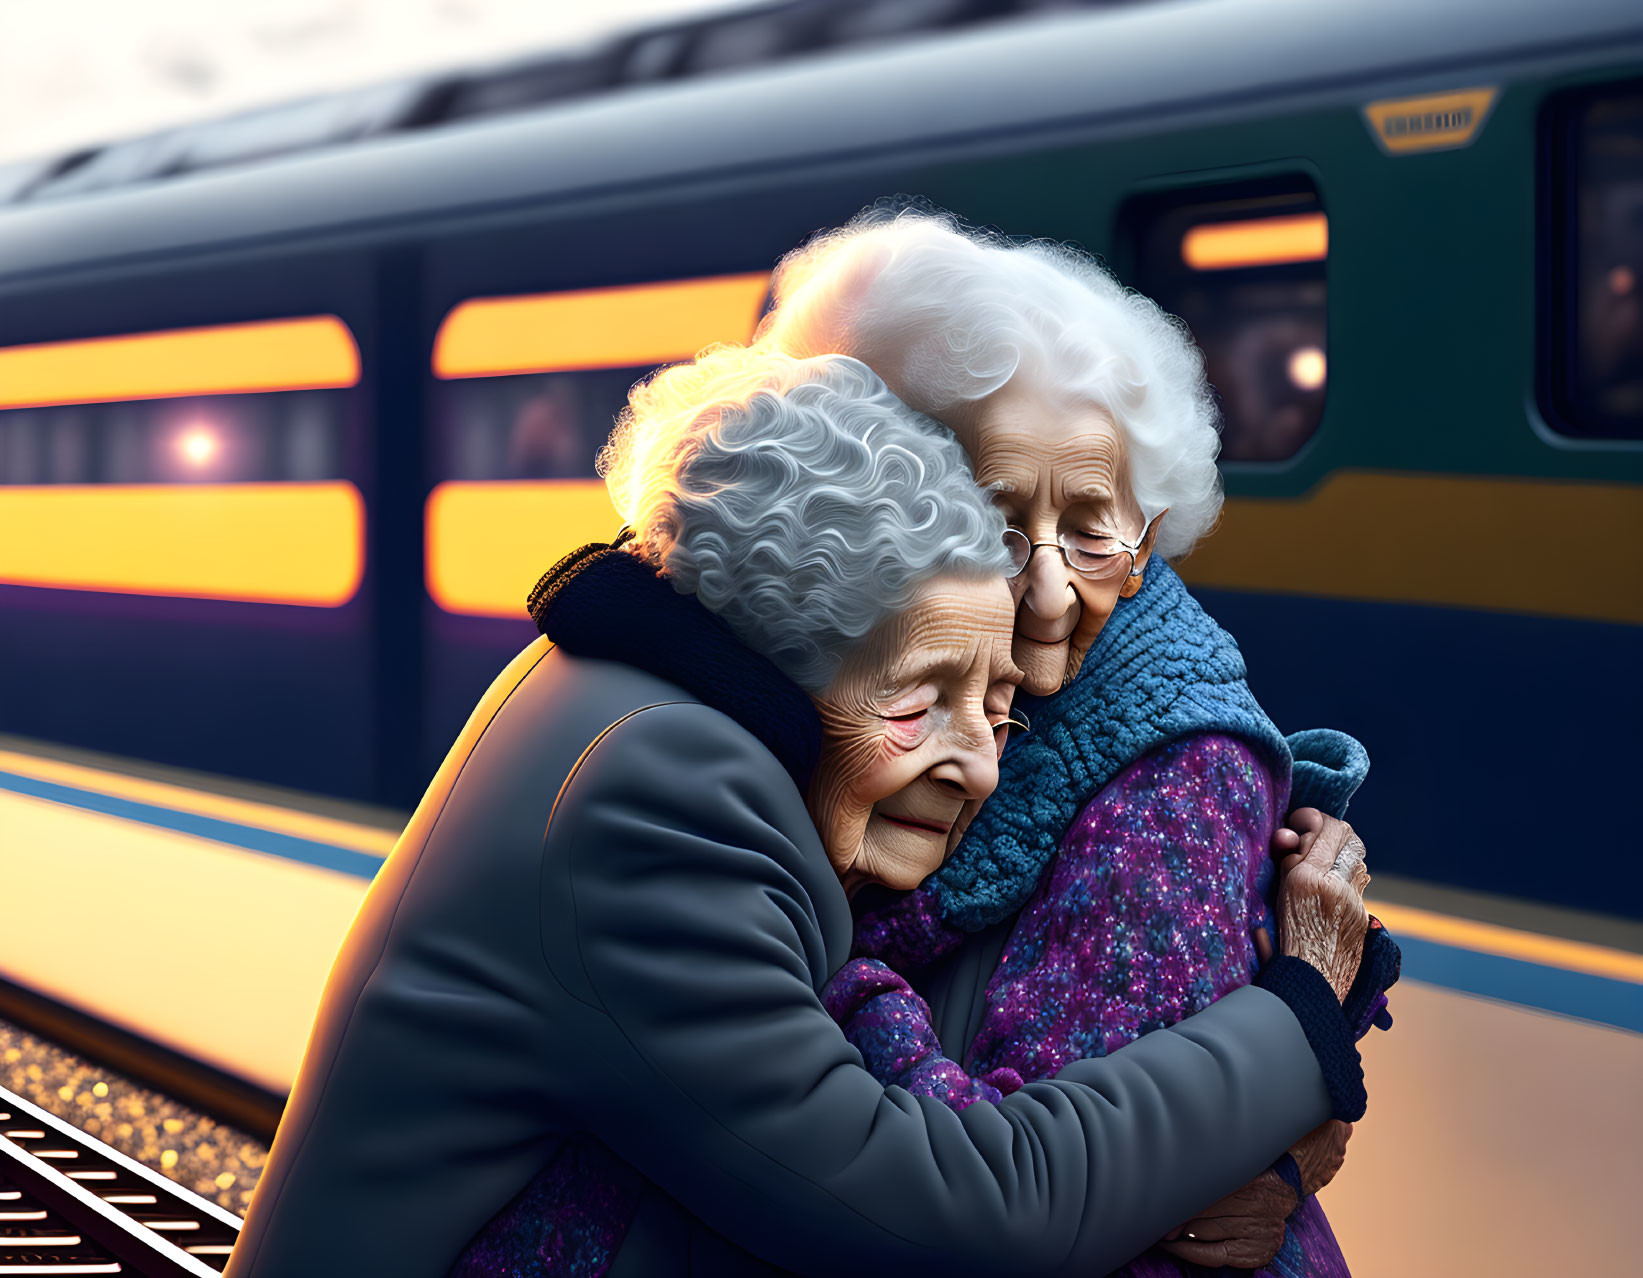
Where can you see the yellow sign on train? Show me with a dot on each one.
(1431, 121)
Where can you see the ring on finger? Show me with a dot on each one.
(1349, 859)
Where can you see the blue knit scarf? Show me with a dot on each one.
(1160, 670)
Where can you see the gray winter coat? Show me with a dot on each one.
(611, 914)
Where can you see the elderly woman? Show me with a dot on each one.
(576, 1028)
(1118, 880)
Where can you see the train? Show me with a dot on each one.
(284, 442)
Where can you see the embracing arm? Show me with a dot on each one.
(690, 915)
(1246, 1228)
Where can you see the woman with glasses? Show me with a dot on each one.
(1119, 879)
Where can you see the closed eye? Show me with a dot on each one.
(909, 705)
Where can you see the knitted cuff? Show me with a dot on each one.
(1310, 997)
(858, 983)
(1378, 971)
(1328, 769)
(948, 1082)
(1289, 1171)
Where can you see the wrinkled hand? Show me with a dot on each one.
(1321, 915)
(1245, 1229)
(1320, 1153)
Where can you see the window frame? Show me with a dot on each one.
(1140, 210)
(1557, 273)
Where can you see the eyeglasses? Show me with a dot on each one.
(1098, 556)
(1016, 719)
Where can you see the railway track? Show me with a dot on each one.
(71, 1205)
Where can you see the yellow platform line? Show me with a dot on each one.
(1444, 929)
(1509, 942)
(186, 941)
(266, 816)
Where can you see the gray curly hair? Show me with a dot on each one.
(798, 499)
(948, 315)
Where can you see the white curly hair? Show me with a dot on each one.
(948, 314)
(798, 499)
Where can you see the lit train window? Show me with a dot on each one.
(535, 426)
(1595, 372)
(209, 463)
(1245, 269)
(531, 387)
(270, 437)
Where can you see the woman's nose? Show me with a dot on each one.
(970, 771)
(1049, 590)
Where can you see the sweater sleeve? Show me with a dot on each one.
(884, 1019)
(692, 936)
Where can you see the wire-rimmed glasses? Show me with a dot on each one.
(1100, 557)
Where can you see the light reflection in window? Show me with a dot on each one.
(288, 436)
(535, 426)
(1245, 268)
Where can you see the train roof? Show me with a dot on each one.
(1116, 67)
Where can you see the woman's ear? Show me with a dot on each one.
(1132, 583)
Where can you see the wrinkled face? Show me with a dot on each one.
(912, 728)
(1056, 467)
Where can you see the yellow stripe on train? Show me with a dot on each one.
(285, 543)
(1530, 546)
(625, 327)
(1541, 547)
(314, 352)
(487, 542)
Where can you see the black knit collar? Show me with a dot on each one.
(603, 602)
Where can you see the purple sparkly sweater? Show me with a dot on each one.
(1145, 917)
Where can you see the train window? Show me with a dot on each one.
(270, 438)
(234, 403)
(1244, 267)
(210, 463)
(535, 426)
(1593, 379)
(531, 387)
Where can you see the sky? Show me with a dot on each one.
(74, 72)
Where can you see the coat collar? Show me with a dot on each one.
(602, 602)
